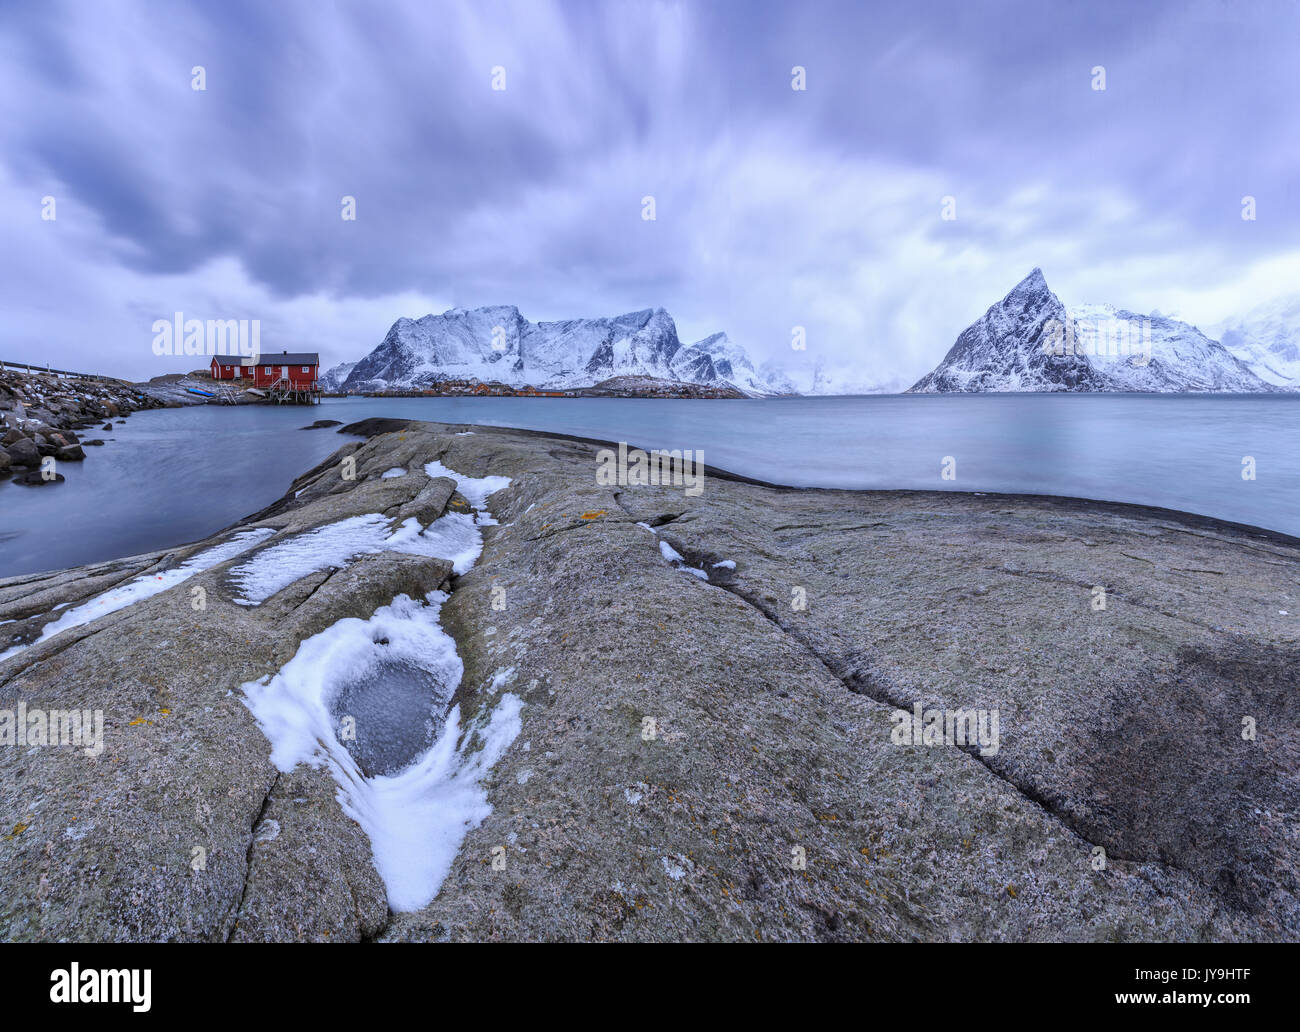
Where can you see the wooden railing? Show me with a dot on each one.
(27, 367)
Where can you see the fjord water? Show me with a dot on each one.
(177, 475)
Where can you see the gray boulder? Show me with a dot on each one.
(23, 452)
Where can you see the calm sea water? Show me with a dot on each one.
(176, 475)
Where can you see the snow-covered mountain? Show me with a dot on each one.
(499, 344)
(332, 379)
(1010, 349)
(716, 360)
(1267, 339)
(1029, 341)
(1154, 353)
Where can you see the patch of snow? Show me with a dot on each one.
(331, 546)
(148, 585)
(389, 474)
(726, 564)
(452, 536)
(671, 554)
(475, 489)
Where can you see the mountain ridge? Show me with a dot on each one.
(498, 344)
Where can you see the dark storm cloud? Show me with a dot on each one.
(775, 207)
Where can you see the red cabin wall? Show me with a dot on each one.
(294, 373)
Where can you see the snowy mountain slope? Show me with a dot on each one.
(717, 361)
(332, 379)
(1029, 341)
(1004, 350)
(1156, 354)
(1267, 339)
(499, 344)
(482, 344)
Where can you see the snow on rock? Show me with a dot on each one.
(416, 818)
(454, 536)
(718, 362)
(474, 489)
(389, 474)
(672, 555)
(334, 545)
(148, 585)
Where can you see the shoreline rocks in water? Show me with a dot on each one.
(40, 414)
(718, 694)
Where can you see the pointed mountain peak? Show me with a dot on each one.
(1032, 284)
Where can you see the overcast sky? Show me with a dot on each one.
(774, 207)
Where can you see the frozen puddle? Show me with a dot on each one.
(403, 779)
(397, 710)
(148, 586)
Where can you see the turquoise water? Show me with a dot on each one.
(176, 475)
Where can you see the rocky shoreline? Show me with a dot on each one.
(709, 690)
(40, 414)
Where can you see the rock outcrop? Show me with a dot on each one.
(708, 744)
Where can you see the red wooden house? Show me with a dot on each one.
(300, 369)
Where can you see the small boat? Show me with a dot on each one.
(201, 394)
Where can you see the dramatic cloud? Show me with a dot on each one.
(775, 207)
